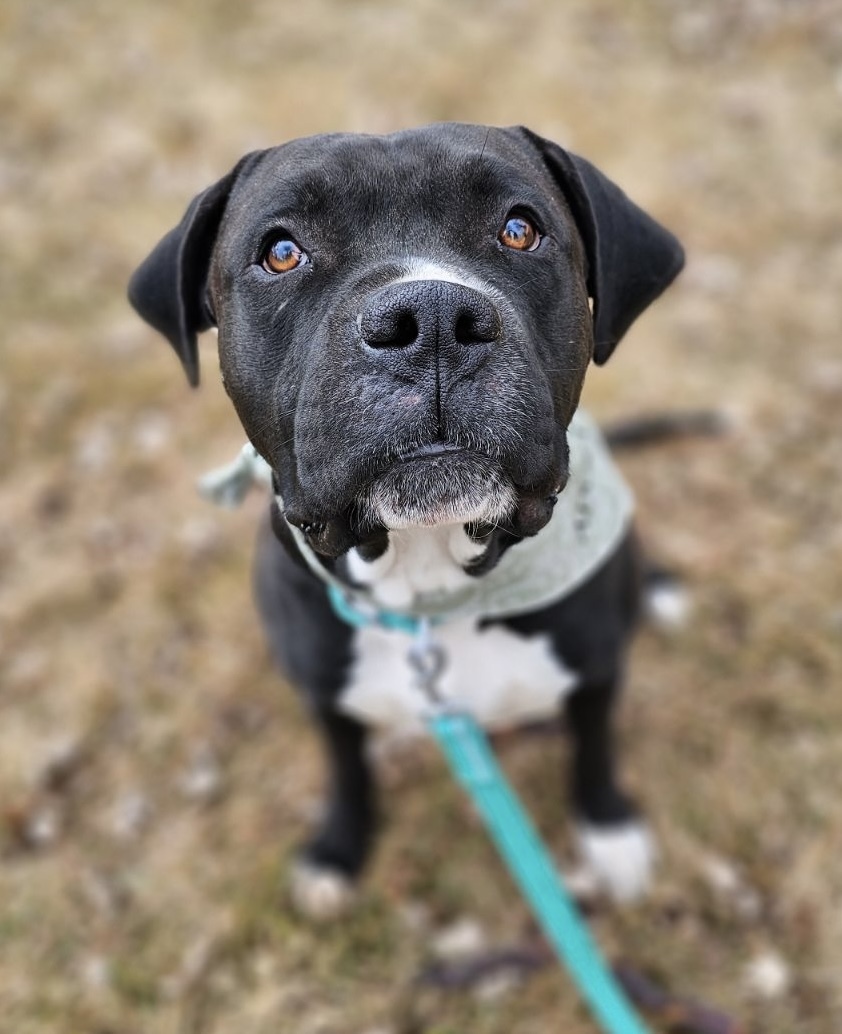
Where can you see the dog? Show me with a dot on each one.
(404, 327)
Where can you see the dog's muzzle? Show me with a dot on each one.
(433, 332)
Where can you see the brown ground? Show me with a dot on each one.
(153, 771)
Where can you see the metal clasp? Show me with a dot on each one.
(427, 659)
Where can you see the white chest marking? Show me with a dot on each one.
(501, 678)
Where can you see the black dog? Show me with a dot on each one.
(405, 323)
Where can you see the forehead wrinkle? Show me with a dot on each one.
(392, 168)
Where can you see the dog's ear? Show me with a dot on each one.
(168, 289)
(631, 258)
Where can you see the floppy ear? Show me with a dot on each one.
(631, 258)
(168, 288)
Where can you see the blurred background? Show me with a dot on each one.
(154, 771)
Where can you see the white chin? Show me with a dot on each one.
(423, 495)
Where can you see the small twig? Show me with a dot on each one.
(459, 976)
(679, 1015)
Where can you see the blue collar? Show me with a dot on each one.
(360, 614)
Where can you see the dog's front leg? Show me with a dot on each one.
(615, 843)
(345, 837)
(324, 875)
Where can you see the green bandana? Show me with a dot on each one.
(592, 515)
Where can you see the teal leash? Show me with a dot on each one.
(474, 766)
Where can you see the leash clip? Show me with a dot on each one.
(427, 660)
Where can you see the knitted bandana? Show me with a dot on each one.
(591, 517)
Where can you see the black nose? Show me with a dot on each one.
(428, 312)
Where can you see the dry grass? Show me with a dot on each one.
(153, 771)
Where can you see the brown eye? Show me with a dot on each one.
(520, 234)
(282, 256)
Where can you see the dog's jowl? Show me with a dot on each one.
(404, 324)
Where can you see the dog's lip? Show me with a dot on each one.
(430, 451)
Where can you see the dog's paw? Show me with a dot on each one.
(620, 857)
(668, 604)
(320, 892)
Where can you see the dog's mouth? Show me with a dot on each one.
(430, 451)
(439, 483)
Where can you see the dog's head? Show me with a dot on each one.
(405, 321)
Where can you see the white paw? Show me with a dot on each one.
(621, 858)
(318, 892)
(669, 605)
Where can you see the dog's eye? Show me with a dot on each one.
(520, 234)
(282, 256)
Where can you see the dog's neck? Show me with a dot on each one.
(417, 561)
(458, 569)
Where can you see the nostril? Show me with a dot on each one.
(388, 328)
(474, 328)
(406, 330)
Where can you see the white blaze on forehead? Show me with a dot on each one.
(426, 269)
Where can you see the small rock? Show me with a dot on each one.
(38, 827)
(768, 976)
(202, 781)
(95, 972)
(721, 876)
(95, 449)
(748, 904)
(497, 985)
(461, 939)
(728, 884)
(152, 433)
(130, 816)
